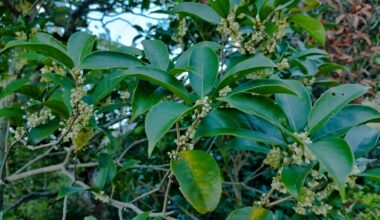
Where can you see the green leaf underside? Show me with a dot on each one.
(160, 119)
(293, 178)
(244, 68)
(145, 97)
(265, 86)
(107, 85)
(296, 108)
(107, 170)
(162, 78)
(350, 116)
(362, 139)
(336, 157)
(331, 102)
(42, 48)
(199, 10)
(199, 178)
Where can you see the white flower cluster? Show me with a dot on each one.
(274, 158)
(173, 155)
(180, 33)
(300, 154)
(102, 197)
(21, 35)
(224, 92)
(19, 133)
(37, 118)
(53, 69)
(284, 64)
(310, 200)
(124, 95)
(259, 75)
(229, 27)
(278, 185)
(206, 108)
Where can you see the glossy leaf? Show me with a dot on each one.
(293, 177)
(258, 105)
(130, 50)
(222, 7)
(69, 190)
(265, 86)
(145, 97)
(13, 87)
(199, 179)
(204, 66)
(160, 119)
(79, 46)
(350, 116)
(199, 10)
(244, 144)
(329, 67)
(8, 112)
(232, 122)
(331, 102)
(107, 170)
(372, 174)
(336, 157)
(311, 25)
(245, 67)
(251, 213)
(63, 81)
(157, 53)
(41, 132)
(183, 61)
(42, 48)
(296, 108)
(109, 60)
(162, 78)
(107, 85)
(362, 139)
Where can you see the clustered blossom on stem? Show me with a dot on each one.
(78, 131)
(40, 117)
(259, 39)
(180, 33)
(224, 92)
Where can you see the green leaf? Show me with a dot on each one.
(326, 68)
(199, 179)
(204, 70)
(296, 108)
(107, 85)
(372, 174)
(107, 170)
(79, 46)
(293, 177)
(45, 49)
(265, 86)
(307, 53)
(130, 50)
(245, 67)
(162, 78)
(63, 81)
(232, 122)
(44, 38)
(350, 116)
(311, 25)
(142, 216)
(250, 213)
(309, 5)
(68, 190)
(260, 106)
(145, 97)
(160, 119)
(109, 60)
(336, 157)
(41, 132)
(157, 53)
(243, 144)
(332, 101)
(13, 87)
(362, 139)
(8, 112)
(222, 7)
(183, 61)
(59, 102)
(201, 11)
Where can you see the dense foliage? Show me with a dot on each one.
(221, 114)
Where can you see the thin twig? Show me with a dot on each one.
(64, 210)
